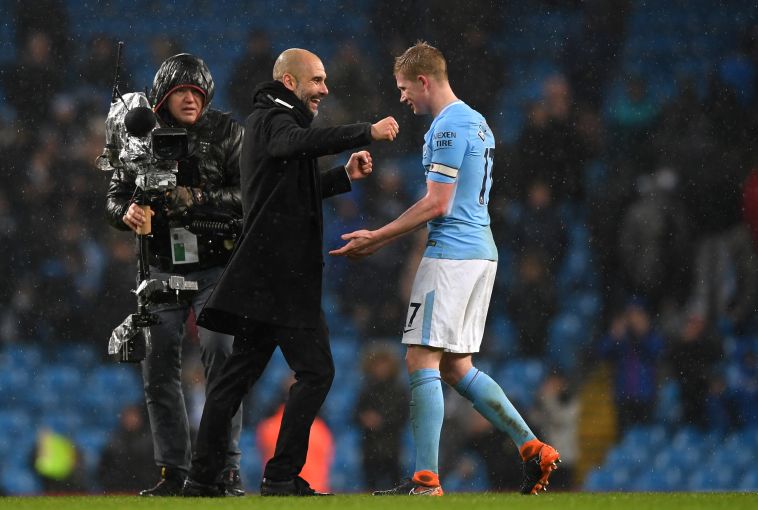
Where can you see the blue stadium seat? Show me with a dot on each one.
(685, 437)
(14, 385)
(566, 336)
(520, 379)
(22, 355)
(585, 304)
(251, 464)
(575, 271)
(62, 422)
(17, 434)
(347, 473)
(79, 355)
(20, 482)
(598, 480)
(749, 481)
(63, 381)
(713, 478)
(668, 407)
(90, 442)
(475, 481)
(102, 407)
(124, 381)
(649, 481)
(649, 437)
(502, 336)
(268, 391)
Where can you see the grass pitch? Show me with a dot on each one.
(489, 501)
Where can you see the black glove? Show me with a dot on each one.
(179, 200)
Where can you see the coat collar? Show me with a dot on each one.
(274, 94)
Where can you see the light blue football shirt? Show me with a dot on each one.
(459, 149)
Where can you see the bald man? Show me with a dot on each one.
(270, 294)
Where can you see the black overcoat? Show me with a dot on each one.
(275, 273)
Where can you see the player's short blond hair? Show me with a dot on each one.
(421, 59)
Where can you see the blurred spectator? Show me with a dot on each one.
(532, 302)
(634, 348)
(161, 48)
(49, 17)
(725, 279)
(127, 459)
(58, 463)
(477, 52)
(693, 355)
(33, 79)
(550, 147)
(592, 55)
(540, 226)
(382, 415)
(98, 68)
(352, 86)
(8, 233)
(556, 414)
(654, 241)
(252, 68)
(632, 117)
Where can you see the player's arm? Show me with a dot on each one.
(433, 205)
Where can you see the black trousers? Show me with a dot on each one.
(308, 354)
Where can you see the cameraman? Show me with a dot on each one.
(208, 185)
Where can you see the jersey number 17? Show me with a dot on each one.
(489, 159)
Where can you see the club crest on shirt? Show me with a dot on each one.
(483, 130)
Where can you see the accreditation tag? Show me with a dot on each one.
(183, 246)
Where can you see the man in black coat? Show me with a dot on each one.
(270, 293)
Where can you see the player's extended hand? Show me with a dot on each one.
(361, 243)
(359, 165)
(385, 129)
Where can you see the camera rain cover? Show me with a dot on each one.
(130, 148)
(127, 331)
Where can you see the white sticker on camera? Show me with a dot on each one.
(183, 246)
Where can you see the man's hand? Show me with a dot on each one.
(359, 165)
(361, 243)
(135, 217)
(385, 129)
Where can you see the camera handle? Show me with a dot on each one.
(147, 226)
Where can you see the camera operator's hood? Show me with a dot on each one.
(182, 70)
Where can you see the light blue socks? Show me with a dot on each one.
(488, 398)
(427, 413)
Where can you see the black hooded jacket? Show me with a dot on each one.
(275, 273)
(212, 164)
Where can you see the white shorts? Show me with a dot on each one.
(449, 303)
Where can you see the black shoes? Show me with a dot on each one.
(233, 483)
(193, 489)
(296, 487)
(230, 485)
(170, 484)
(411, 488)
(538, 466)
